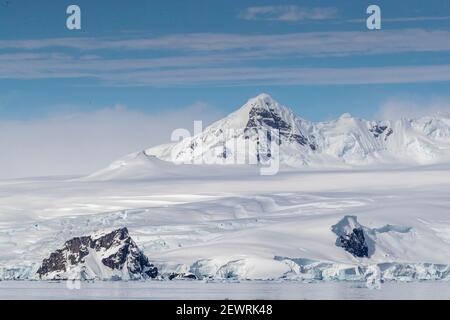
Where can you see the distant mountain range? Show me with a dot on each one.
(263, 130)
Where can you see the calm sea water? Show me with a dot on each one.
(218, 290)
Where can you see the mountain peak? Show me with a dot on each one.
(256, 112)
(263, 109)
(263, 115)
(264, 98)
(262, 101)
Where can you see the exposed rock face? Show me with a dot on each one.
(380, 130)
(355, 243)
(103, 255)
(183, 276)
(351, 237)
(260, 117)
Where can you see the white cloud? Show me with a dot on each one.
(398, 108)
(288, 13)
(84, 142)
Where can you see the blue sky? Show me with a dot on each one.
(155, 55)
(205, 58)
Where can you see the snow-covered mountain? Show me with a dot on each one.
(263, 130)
(103, 255)
(251, 135)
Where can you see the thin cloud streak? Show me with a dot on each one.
(288, 13)
(406, 19)
(226, 59)
(282, 76)
(304, 44)
(241, 75)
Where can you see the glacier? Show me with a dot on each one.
(239, 225)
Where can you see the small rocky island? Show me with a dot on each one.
(103, 255)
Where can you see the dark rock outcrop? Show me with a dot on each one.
(355, 243)
(109, 254)
(351, 237)
(379, 130)
(184, 276)
(267, 117)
